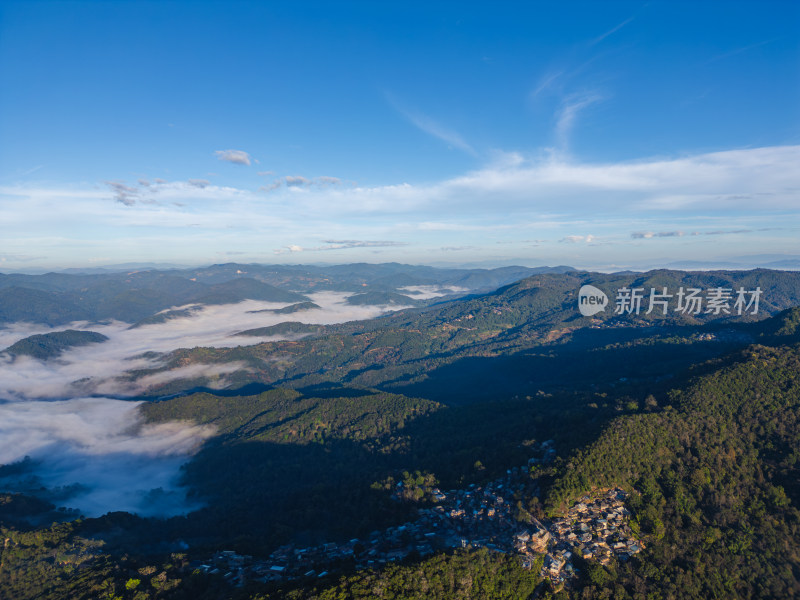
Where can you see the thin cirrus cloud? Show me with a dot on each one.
(238, 157)
(568, 113)
(646, 235)
(752, 180)
(430, 126)
(297, 182)
(611, 31)
(755, 180)
(573, 96)
(527, 194)
(160, 191)
(340, 245)
(736, 51)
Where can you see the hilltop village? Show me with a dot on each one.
(595, 528)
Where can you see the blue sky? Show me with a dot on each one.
(600, 135)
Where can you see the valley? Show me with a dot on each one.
(311, 445)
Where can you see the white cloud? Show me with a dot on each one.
(568, 113)
(755, 179)
(611, 31)
(239, 157)
(101, 449)
(341, 245)
(297, 182)
(289, 249)
(428, 125)
(514, 192)
(646, 235)
(425, 292)
(124, 194)
(574, 239)
(100, 368)
(546, 82)
(101, 446)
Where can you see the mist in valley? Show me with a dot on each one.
(70, 431)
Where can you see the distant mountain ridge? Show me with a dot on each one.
(137, 295)
(50, 345)
(694, 414)
(398, 350)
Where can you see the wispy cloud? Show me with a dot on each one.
(574, 239)
(340, 245)
(730, 231)
(611, 31)
(297, 182)
(32, 170)
(124, 194)
(754, 180)
(526, 194)
(239, 157)
(13, 258)
(568, 113)
(546, 82)
(430, 126)
(158, 192)
(736, 51)
(646, 235)
(290, 248)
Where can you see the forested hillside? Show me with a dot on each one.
(134, 295)
(716, 475)
(464, 574)
(50, 345)
(529, 331)
(698, 421)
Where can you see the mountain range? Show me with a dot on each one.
(346, 436)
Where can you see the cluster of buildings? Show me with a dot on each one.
(478, 516)
(475, 517)
(595, 528)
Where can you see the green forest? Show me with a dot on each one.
(698, 422)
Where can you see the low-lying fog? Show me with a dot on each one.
(94, 454)
(95, 369)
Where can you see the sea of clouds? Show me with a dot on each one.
(87, 445)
